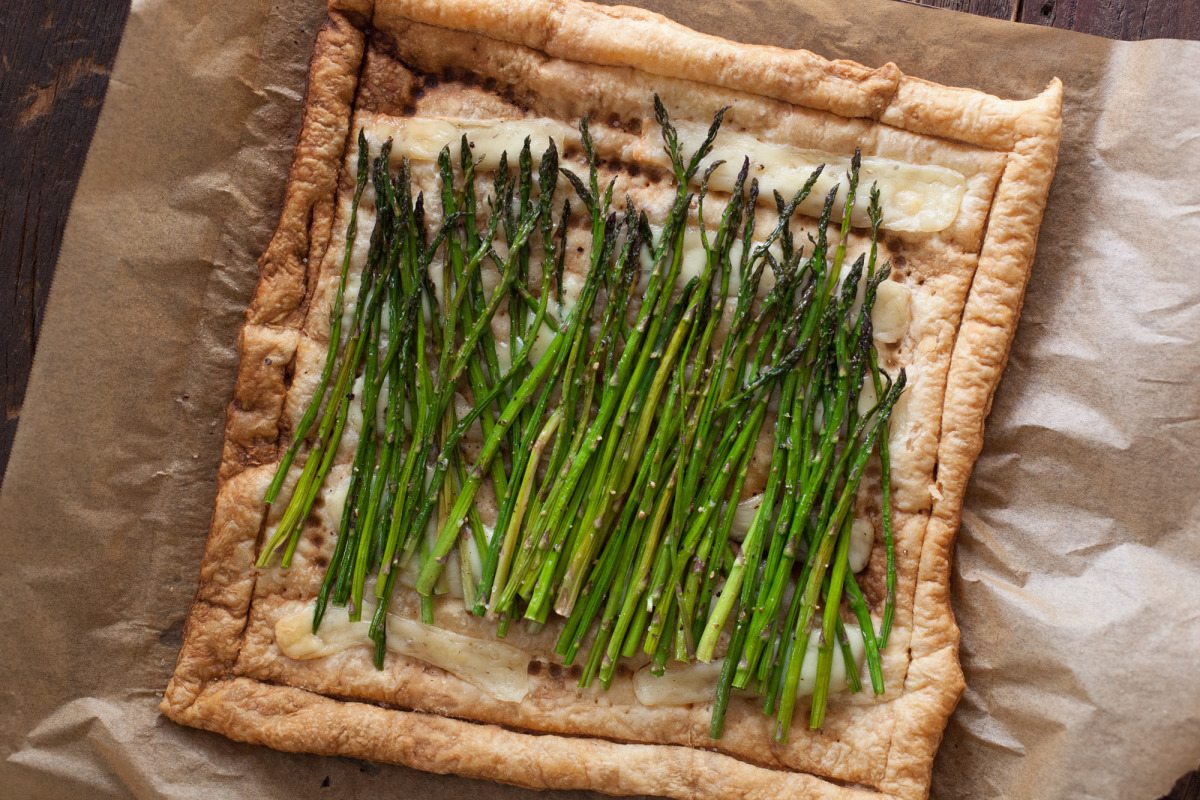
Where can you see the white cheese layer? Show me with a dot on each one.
(498, 669)
(502, 670)
(915, 197)
(679, 684)
(862, 539)
(695, 683)
(743, 517)
(892, 311)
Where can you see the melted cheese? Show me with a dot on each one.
(333, 493)
(695, 258)
(867, 398)
(358, 260)
(681, 684)
(541, 344)
(915, 197)
(743, 517)
(891, 312)
(453, 570)
(862, 539)
(498, 669)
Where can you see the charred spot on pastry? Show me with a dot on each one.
(535, 667)
(509, 95)
(556, 670)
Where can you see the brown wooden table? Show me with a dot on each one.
(55, 59)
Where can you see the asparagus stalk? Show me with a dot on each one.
(617, 456)
(335, 329)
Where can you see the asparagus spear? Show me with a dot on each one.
(625, 527)
(335, 329)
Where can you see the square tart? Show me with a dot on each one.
(388, 62)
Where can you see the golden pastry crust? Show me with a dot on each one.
(565, 58)
(266, 345)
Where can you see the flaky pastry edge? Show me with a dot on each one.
(205, 692)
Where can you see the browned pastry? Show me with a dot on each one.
(390, 62)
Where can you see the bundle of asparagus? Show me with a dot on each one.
(617, 454)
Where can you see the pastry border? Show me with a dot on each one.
(206, 693)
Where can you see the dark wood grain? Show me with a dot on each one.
(1131, 20)
(996, 9)
(55, 59)
(1186, 788)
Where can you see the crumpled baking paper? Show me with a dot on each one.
(1077, 574)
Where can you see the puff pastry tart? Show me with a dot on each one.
(606, 406)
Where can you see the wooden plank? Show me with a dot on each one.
(1186, 788)
(1171, 19)
(996, 9)
(55, 59)
(1131, 20)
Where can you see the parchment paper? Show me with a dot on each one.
(1077, 576)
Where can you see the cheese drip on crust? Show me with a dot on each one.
(498, 669)
(922, 198)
